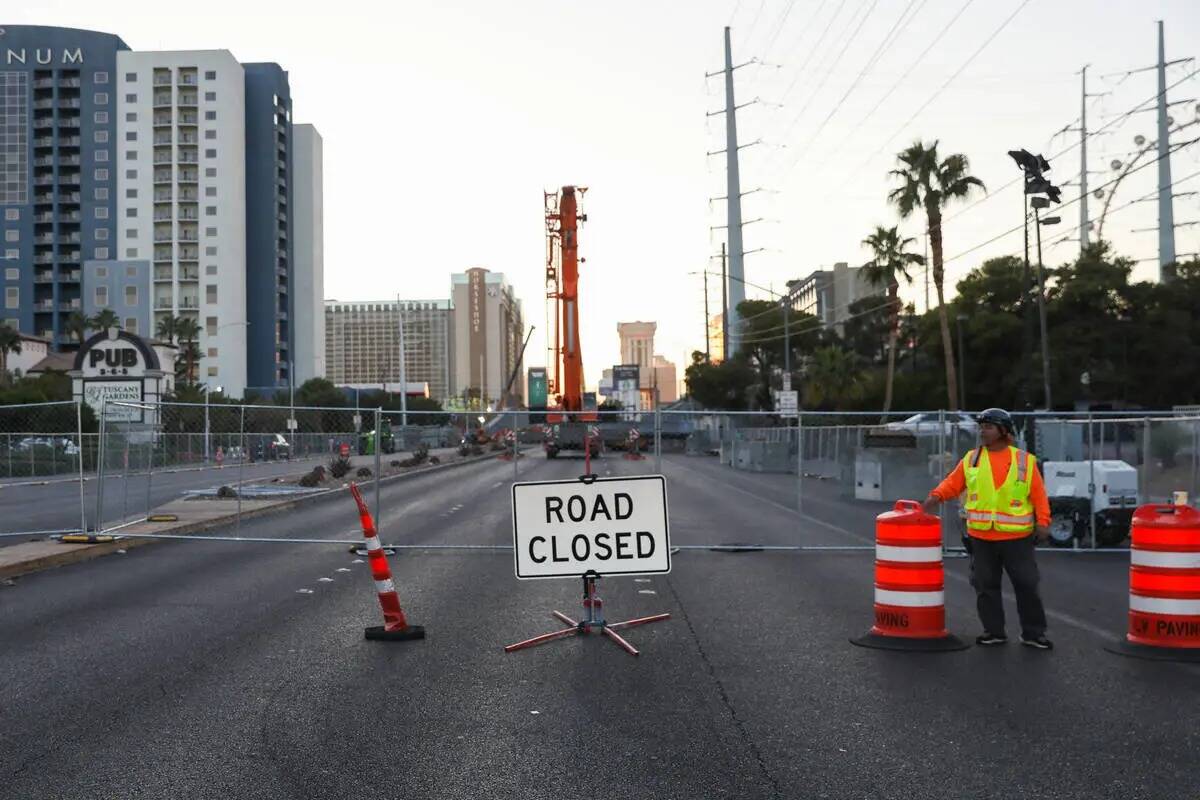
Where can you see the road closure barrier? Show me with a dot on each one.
(910, 602)
(1164, 585)
(395, 626)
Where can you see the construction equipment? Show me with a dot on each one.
(1083, 493)
(568, 418)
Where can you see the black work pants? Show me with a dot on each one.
(989, 560)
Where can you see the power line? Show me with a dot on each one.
(813, 51)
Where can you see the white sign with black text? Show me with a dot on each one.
(610, 526)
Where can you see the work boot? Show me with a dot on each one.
(987, 639)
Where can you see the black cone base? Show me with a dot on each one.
(944, 644)
(377, 633)
(1190, 655)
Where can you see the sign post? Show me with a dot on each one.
(587, 528)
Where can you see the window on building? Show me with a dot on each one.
(212, 372)
(210, 153)
(210, 211)
(12, 236)
(131, 252)
(100, 117)
(210, 75)
(131, 155)
(131, 233)
(101, 98)
(131, 325)
(210, 251)
(131, 116)
(101, 254)
(131, 98)
(210, 326)
(12, 273)
(12, 214)
(102, 174)
(100, 77)
(210, 115)
(101, 296)
(101, 272)
(210, 294)
(100, 137)
(210, 269)
(131, 77)
(101, 156)
(101, 192)
(210, 97)
(131, 174)
(10, 253)
(210, 191)
(131, 211)
(210, 134)
(131, 192)
(212, 352)
(131, 136)
(101, 234)
(210, 231)
(131, 295)
(131, 272)
(210, 172)
(12, 297)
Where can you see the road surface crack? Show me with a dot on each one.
(712, 672)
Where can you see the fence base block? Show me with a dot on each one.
(86, 538)
(379, 634)
(942, 644)
(1187, 655)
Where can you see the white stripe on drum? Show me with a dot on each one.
(889, 597)
(1156, 558)
(1159, 605)
(385, 586)
(922, 555)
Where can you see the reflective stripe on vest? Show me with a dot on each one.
(1006, 508)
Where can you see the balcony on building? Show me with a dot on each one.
(163, 233)
(162, 255)
(162, 274)
(188, 175)
(189, 118)
(162, 78)
(187, 77)
(70, 238)
(43, 180)
(188, 194)
(41, 105)
(188, 156)
(69, 198)
(187, 137)
(68, 102)
(69, 161)
(162, 176)
(187, 99)
(41, 121)
(43, 276)
(44, 305)
(163, 303)
(43, 142)
(68, 305)
(189, 213)
(189, 274)
(43, 238)
(189, 254)
(162, 119)
(162, 99)
(68, 178)
(162, 156)
(68, 121)
(163, 213)
(68, 142)
(44, 258)
(162, 137)
(44, 216)
(69, 83)
(69, 217)
(191, 303)
(69, 257)
(43, 83)
(43, 161)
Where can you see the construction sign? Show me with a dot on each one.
(609, 526)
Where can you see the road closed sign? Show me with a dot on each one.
(611, 526)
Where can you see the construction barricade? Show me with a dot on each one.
(910, 602)
(1164, 585)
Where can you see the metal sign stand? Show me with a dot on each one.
(593, 614)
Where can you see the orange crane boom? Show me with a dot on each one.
(562, 286)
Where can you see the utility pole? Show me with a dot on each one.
(1166, 211)
(1083, 169)
(707, 354)
(724, 308)
(1026, 288)
(733, 204)
(1039, 203)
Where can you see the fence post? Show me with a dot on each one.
(9, 437)
(516, 451)
(799, 461)
(1144, 478)
(241, 463)
(153, 442)
(657, 436)
(378, 448)
(79, 440)
(1091, 483)
(125, 480)
(99, 524)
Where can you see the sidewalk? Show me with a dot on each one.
(194, 516)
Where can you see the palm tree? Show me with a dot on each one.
(188, 330)
(10, 342)
(930, 183)
(889, 264)
(107, 318)
(77, 325)
(834, 377)
(168, 328)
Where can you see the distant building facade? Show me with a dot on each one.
(489, 329)
(121, 286)
(362, 344)
(827, 294)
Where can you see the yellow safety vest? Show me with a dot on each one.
(1007, 511)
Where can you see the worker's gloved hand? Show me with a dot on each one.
(930, 505)
(1042, 533)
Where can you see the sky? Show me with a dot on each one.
(444, 122)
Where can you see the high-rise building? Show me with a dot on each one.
(716, 338)
(269, 232)
(180, 159)
(362, 343)
(666, 383)
(637, 347)
(489, 332)
(58, 181)
(308, 322)
(827, 294)
(182, 162)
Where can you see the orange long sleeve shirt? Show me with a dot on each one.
(1000, 461)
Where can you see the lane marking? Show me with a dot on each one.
(647, 591)
(641, 580)
(324, 580)
(304, 591)
(342, 569)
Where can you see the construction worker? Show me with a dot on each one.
(1006, 508)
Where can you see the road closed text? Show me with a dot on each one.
(612, 527)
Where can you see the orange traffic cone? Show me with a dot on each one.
(395, 627)
(910, 602)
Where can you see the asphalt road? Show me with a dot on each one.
(198, 669)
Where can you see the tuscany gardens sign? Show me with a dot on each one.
(115, 366)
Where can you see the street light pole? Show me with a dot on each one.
(1042, 299)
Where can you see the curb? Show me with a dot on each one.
(89, 551)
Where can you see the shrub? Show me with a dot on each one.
(227, 492)
(364, 472)
(340, 467)
(311, 480)
(434, 460)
